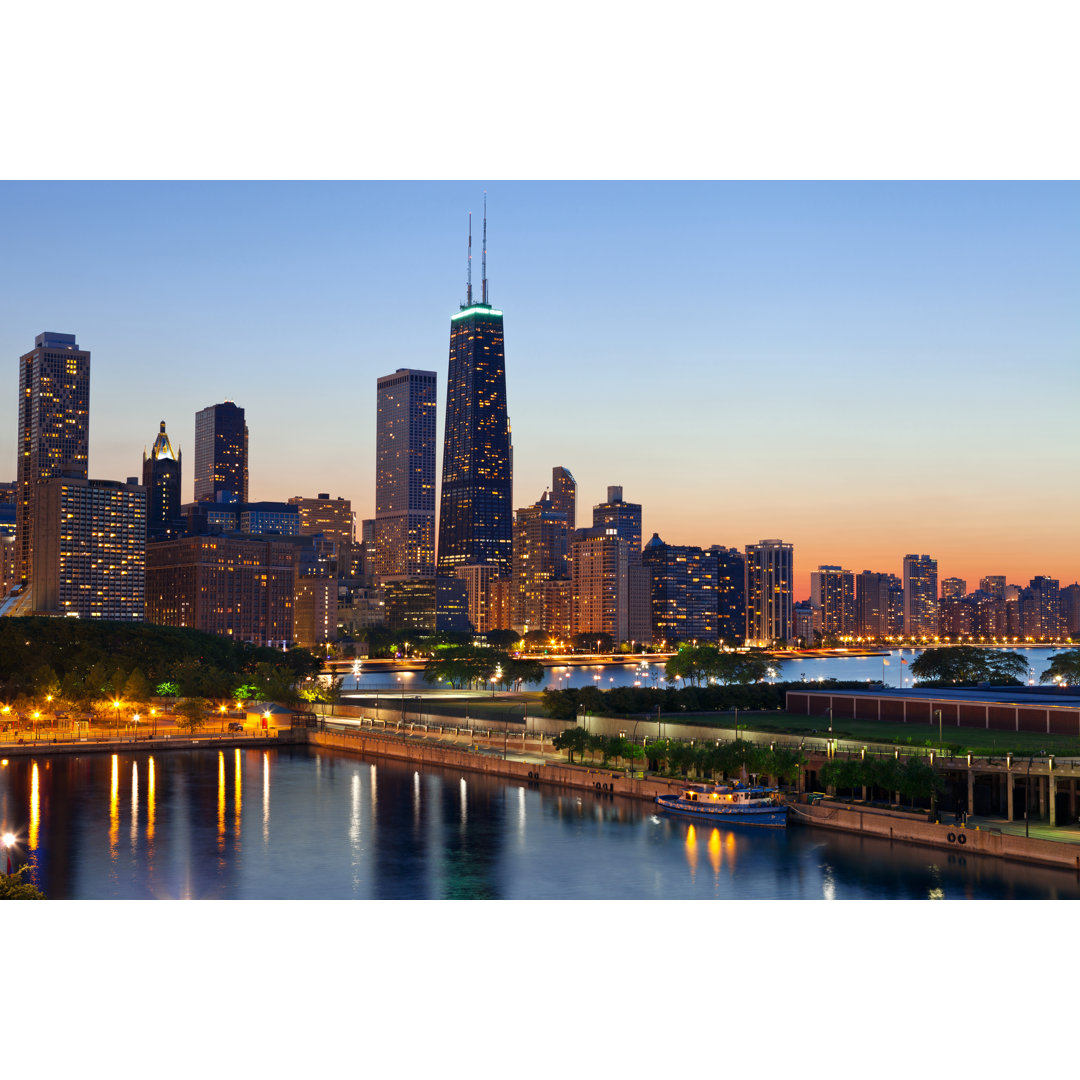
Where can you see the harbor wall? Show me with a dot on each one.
(970, 841)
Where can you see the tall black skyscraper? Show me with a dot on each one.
(221, 454)
(161, 478)
(476, 517)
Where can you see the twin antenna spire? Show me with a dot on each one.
(483, 263)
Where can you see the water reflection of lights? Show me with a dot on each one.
(221, 800)
(374, 798)
(464, 803)
(114, 806)
(416, 797)
(151, 804)
(936, 894)
(35, 808)
(828, 884)
(238, 795)
(134, 805)
(355, 788)
(521, 812)
(691, 849)
(266, 796)
(715, 850)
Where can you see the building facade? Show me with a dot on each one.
(625, 519)
(405, 474)
(332, 518)
(832, 598)
(89, 549)
(770, 580)
(476, 509)
(683, 592)
(730, 593)
(240, 587)
(53, 428)
(221, 454)
(600, 584)
(920, 596)
(540, 555)
(564, 495)
(161, 477)
(879, 605)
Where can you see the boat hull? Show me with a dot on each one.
(774, 817)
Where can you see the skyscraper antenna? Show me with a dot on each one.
(483, 258)
(468, 288)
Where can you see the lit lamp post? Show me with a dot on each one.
(135, 728)
(116, 712)
(153, 717)
(221, 713)
(8, 840)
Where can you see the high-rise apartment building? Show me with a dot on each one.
(332, 518)
(89, 549)
(770, 580)
(241, 587)
(161, 479)
(993, 584)
(221, 454)
(1041, 608)
(564, 495)
(53, 428)
(1070, 608)
(683, 592)
(832, 599)
(879, 605)
(730, 593)
(476, 508)
(920, 596)
(479, 580)
(405, 473)
(625, 519)
(600, 584)
(952, 588)
(540, 555)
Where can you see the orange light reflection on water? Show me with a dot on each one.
(35, 807)
(221, 800)
(150, 803)
(134, 804)
(691, 848)
(715, 850)
(114, 806)
(266, 796)
(238, 797)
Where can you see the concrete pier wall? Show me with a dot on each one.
(871, 822)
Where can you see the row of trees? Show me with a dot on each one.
(643, 701)
(702, 664)
(913, 778)
(705, 760)
(969, 664)
(89, 665)
(1064, 667)
(475, 666)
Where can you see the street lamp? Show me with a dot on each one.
(135, 729)
(8, 840)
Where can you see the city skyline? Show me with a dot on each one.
(862, 370)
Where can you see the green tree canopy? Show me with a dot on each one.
(1064, 667)
(968, 664)
(12, 887)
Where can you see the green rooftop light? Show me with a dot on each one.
(476, 309)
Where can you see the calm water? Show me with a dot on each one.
(299, 823)
(608, 675)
